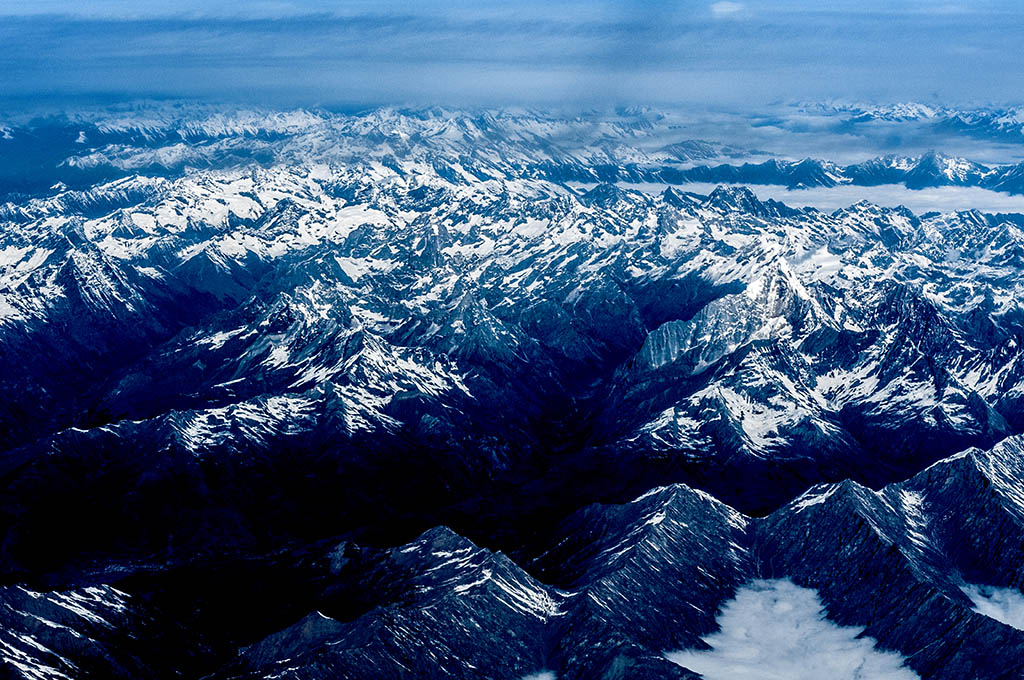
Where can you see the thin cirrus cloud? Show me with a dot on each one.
(525, 51)
(726, 9)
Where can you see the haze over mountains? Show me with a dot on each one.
(741, 53)
(434, 393)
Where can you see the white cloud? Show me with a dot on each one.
(1005, 605)
(776, 630)
(726, 9)
(935, 199)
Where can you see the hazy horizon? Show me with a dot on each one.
(310, 52)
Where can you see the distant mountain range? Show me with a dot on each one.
(929, 170)
(1005, 123)
(45, 156)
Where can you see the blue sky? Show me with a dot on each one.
(304, 52)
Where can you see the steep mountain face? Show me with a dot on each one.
(908, 550)
(623, 586)
(650, 575)
(236, 405)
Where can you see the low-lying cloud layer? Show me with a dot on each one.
(1005, 605)
(776, 630)
(828, 199)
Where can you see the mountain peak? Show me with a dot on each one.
(734, 199)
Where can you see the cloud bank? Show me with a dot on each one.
(776, 630)
(828, 199)
(1005, 605)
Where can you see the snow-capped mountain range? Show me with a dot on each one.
(270, 384)
(992, 122)
(44, 156)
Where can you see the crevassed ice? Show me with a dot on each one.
(1005, 605)
(776, 630)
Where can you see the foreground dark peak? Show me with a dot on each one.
(621, 586)
(650, 575)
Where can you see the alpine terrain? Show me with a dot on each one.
(429, 393)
